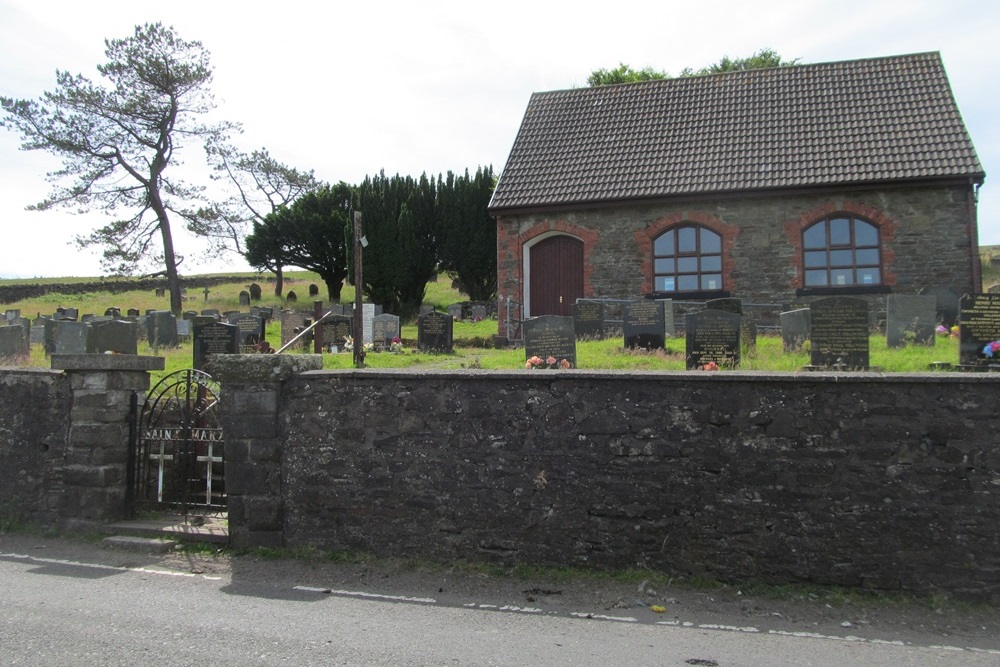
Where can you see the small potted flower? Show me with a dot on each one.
(396, 344)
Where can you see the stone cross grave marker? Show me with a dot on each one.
(712, 337)
(910, 319)
(838, 334)
(434, 332)
(978, 326)
(214, 338)
(644, 325)
(550, 336)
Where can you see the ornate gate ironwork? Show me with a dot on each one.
(176, 449)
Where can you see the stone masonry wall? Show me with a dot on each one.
(885, 482)
(925, 241)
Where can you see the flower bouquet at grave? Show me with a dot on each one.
(992, 350)
(348, 344)
(396, 344)
(537, 362)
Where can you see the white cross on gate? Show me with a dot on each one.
(209, 459)
(161, 458)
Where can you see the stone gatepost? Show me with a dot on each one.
(251, 391)
(94, 467)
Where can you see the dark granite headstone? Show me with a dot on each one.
(118, 336)
(251, 332)
(71, 314)
(644, 325)
(133, 312)
(384, 329)
(49, 337)
(244, 298)
(291, 297)
(214, 338)
(313, 289)
(113, 312)
(839, 332)
(910, 319)
(550, 336)
(978, 326)
(946, 304)
(71, 338)
(255, 291)
(13, 343)
(712, 337)
(337, 329)
(434, 332)
(588, 319)
(748, 328)
(794, 329)
(161, 329)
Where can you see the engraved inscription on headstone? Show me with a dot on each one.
(978, 326)
(644, 325)
(910, 319)
(336, 329)
(434, 332)
(251, 332)
(839, 332)
(588, 319)
(214, 338)
(384, 329)
(550, 336)
(712, 337)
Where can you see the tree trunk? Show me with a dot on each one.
(333, 289)
(169, 259)
(279, 280)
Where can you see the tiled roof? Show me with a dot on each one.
(857, 121)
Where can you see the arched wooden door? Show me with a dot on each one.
(556, 275)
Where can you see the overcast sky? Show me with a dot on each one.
(436, 86)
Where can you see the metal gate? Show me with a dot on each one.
(176, 447)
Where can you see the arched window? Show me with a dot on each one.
(841, 251)
(687, 258)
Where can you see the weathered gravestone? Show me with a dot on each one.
(313, 290)
(13, 343)
(11, 314)
(434, 332)
(588, 319)
(24, 323)
(255, 291)
(291, 322)
(367, 317)
(113, 312)
(49, 336)
(748, 328)
(838, 334)
(291, 297)
(244, 298)
(214, 338)
(251, 332)
(978, 326)
(117, 336)
(71, 338)
(910, 319)
(336, 330)
(133, 312)
(478, 312)
(384, 329)
(427, 308)
(946, 304)
(184, 328)
(456, 310)
(644, 325)
(161, 329)
(669, 328)
(794, 329)
(551, 336)
(70, 314)
(712, 337)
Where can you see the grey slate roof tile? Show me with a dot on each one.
(858, 121)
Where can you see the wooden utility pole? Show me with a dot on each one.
(359, 332)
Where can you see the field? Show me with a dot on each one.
(473, 340)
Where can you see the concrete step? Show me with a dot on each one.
(153, 545)
(194, 528)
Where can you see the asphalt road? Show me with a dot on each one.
(71, 604)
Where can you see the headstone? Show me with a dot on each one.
(214, 338)
(244, 298)
(551, 337)
(267, 314)
(644, 325)
(251, 332)
(255, 291)
(88, 317)
(910, 319)
(367, 317)
(117, 336)
(71, 314)
(291, 297)
(291, 322)
(384, 329)
(12, 313)
(184, 329)
(434, 332)
(478, 313)
(748, 328)
(71, 338)
(37, 334)
(189, 314)
(211, 311)
(13, 343)
(313, 289)
(668, 317)
(24, 323)
(133, 312)
(49, 337)
(838, 333)
(947, 302)
(161, 329)
(588, 319)
(456, 310)
(712, 337)
(794, 329)
(160, 292)
(336, 329)
(113, 312)
(428, 308)
(978, 326)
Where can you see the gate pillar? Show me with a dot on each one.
(93, 474)
(251, 392)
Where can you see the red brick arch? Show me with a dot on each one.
(644, 241)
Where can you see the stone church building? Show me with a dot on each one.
(774, 186)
